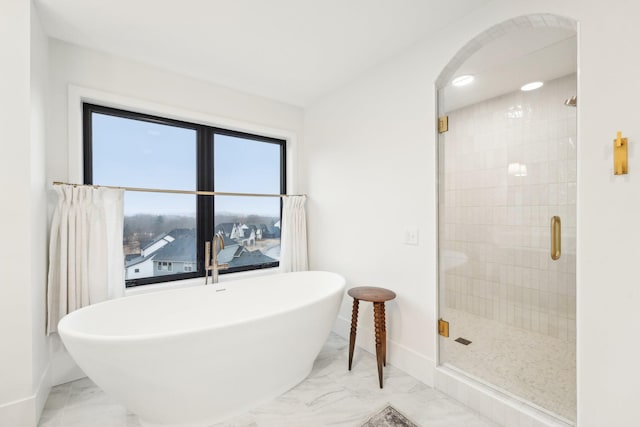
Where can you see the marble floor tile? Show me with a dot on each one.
(330, 396)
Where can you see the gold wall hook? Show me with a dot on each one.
(620, 155)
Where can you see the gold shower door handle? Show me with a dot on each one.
(556, 240)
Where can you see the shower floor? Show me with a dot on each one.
(535, 367)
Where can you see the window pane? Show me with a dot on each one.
(251, 230)
(137, 153)
(159, 228)
(246, 166)
(159, 234)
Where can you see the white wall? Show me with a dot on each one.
(185, 96)
(24, 359)
(39, 238)
(370, 169)
(75, 71)
(15, 324)
(370, 159)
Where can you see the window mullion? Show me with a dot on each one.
(205, 183)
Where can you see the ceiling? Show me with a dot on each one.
(293, 51)
(506, 63)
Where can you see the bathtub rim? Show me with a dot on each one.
(75, 334)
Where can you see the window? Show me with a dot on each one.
(164, 233)
(165, 266)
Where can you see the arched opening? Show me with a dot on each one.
(507, 211)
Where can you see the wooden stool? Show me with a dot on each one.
(377, 296)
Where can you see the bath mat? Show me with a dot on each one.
(389, 417)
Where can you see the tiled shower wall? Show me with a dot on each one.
(507, 165)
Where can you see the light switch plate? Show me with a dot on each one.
(411, 236)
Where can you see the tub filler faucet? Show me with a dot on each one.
(211, 262)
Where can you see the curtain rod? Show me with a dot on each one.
(197, 193)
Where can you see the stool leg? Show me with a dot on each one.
(378, 314)
(384, 335)
(354, 326)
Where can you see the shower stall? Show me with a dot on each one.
(507, 215)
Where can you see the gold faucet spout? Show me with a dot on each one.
(217, 239)
(211, 259)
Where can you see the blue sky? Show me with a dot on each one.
(134, 153)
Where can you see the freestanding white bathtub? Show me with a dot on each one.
(194, 356)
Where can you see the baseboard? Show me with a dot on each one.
(402, 357)
(42, 392)
(26, 412)
(498, 406)
(65, 370)
(19, 413)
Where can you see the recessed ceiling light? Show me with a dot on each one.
(532, 86)
(462, 80)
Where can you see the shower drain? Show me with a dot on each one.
(463, 341)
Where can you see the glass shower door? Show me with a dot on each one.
(507, 166)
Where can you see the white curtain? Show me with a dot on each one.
(293, 240)
(86, 259)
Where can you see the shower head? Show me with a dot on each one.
(571, 102)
